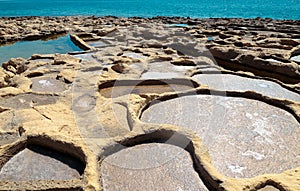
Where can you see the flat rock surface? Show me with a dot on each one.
(268, 188)
(48, 85)
(150, 167)
(237, 83)
(117, 91)
(246, 138)
(37, 163)
(23, 101)
(163, 70)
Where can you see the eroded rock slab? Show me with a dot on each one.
(150, 167)
(48, 85)
(24, 101)
(163, 70)
(245, 137)
(268, 188)
(8, 137)
(118, 91)
(37, 163)
(238, 83)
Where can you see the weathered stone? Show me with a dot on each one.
(48, 85)
(183, 62)
(37, 163)
(268, 188)
(246, 138)
(225, 53)
(237, 83)
(150, 167)
(164, 70)
(23, 101)
(3, 78)
(118, 91)
(16, 65)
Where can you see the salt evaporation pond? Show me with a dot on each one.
(245, 137)
(25, 49)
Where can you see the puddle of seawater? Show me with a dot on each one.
(177, 25)
(97, 44)
(160, 75)
(272, 60)
(25, 49)
(296, 58)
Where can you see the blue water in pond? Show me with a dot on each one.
(276, 9)
(26, 48)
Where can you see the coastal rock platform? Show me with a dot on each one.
(163, 103)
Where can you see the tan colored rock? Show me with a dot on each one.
(183, 62)
(61, 59)
(21, 82)
(223, 52)
(3, 78)
(67, 75)
(16, 65)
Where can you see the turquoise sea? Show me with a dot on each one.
(276, 9)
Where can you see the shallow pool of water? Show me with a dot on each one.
(296, 58)
(25, 49)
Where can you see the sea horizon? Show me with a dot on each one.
(248, 9)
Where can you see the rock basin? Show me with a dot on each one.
(38, 163)
(151, 166)
(237, 83)
(26, 48)
(48, 85)
(245, 137)
(163, 70)
(118, 91)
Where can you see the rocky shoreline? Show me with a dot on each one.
(224, 94)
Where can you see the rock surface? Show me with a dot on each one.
(245, 137)
(150, 167)
(226, 90)
(38, 163)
